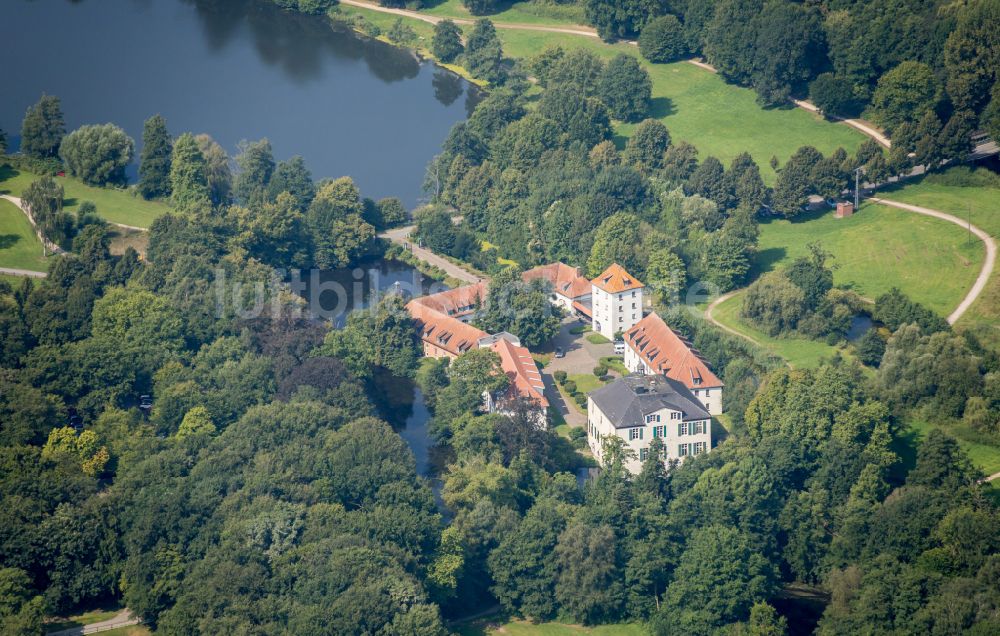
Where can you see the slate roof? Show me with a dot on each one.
(626, 401)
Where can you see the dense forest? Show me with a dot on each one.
(264, 491)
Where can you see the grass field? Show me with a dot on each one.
(117, 206)
(524, 628)
(19, 247)
(982, 454)
(981, 204)
(880, 247)
(798, 352)
(696, 105)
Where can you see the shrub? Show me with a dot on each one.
(570, 386)
(400, 32)
(577, 433)
(662, 40)
(601, 370)
(97, 154)
(581, 399)
(560, 376)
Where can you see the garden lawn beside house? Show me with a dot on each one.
(114, 205)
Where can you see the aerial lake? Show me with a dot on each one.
(235, 69)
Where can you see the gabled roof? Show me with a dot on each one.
(443, 331)
(615, 279)
(627, 401)
(566, 281)
(517, 363)
(668, 354)
(456, 302)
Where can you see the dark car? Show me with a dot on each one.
(560, 353)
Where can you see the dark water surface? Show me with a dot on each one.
(235, 69)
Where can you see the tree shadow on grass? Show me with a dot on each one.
(767, 259)
(8, 241)
(7, 172)
(660, 107)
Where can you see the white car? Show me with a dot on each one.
(619, 347)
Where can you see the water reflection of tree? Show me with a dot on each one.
(298, 43)
(448, 87)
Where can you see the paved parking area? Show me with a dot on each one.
(581, 357)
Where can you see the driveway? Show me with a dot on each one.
(581, 357)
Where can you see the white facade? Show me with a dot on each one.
(565, 302)
(615, 312)
(709, 396)
(681, 438)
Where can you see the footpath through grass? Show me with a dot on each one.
(117, 206)
(879, 248)
(979, 201)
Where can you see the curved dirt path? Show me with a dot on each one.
(988, 263)
(124, 618)
(433, 19)
(710, 318)
(10, 271)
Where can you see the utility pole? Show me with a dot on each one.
(857, 188)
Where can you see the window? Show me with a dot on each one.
(682, 450)
(633, 305)
(706, 393)
(652, 418)
(643, 454)
(635, 433)
(699, 427)
(675, 415)
(682, 428)
(659, 431)
(633, 294)
(698, 448)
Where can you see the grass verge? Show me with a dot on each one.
(596, 338)
(488, 627)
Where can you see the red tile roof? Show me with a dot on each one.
(668, 354)
(567, 281)
(460, 301)
(443, 331)
(520, 367)
(615, 279)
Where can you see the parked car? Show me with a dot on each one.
(620, 347)
(560, 353)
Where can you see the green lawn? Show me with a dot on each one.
(117, 206)
(524, 628)
(615, 364)
(596, 338)
(19, 247)
(879, 248)
(982, 454)
(696, 105)
(799, 352)
(517, 13)
(980, 203)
